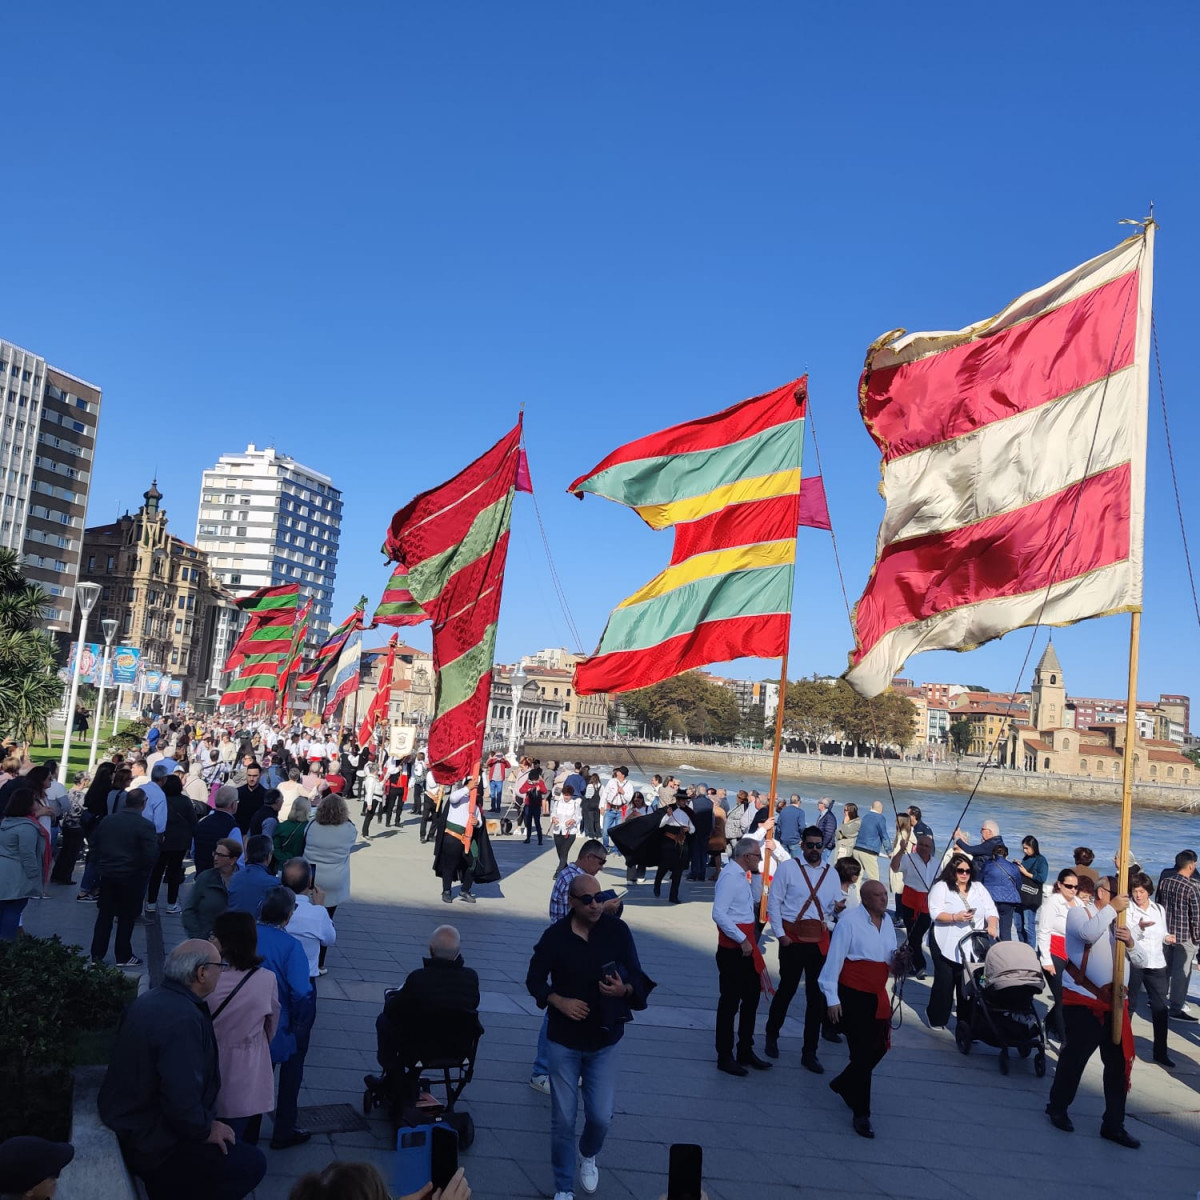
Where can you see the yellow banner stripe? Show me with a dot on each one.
(715, 562)
(758, 487)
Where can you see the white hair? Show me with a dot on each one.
(445, 942)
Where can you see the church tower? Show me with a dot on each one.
(1048, 696)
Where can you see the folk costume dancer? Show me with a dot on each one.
(1087, 1000)
(453, 837)
(862, 952)
(740, 965)
(801, 905)
(919, 869)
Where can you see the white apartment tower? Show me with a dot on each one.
(48, 425)
(266, 520)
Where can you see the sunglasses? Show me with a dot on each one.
(1070, 887)
(814, 845)
(962, 871)
(590, 898)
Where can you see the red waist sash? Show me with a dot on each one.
(1058, 945)
(760, 963)
(1103, 1013)
(917, 901)
(864, 975)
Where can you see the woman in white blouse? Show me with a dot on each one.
(1148, 923)
(956, 906)
(1052, 942)
(566, 817)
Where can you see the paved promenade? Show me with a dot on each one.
(946, 1125)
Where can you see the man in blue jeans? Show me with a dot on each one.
(585, 972)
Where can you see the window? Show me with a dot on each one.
(1066, 743)
(1083, 764)
(1046, 765)
(178, 626)
(92, 563)
(182, 603)
(1154, 768)
(1170, 772)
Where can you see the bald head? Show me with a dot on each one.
(445, 943)
(874, 897)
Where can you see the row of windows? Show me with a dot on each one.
(60, 493)
(64, 444)
(24, 373)
(51, 417)
(21, 454)
(52, 514)
(14, 502)
(56, 393)
(50, 539)
(49, 564)
(48, 464)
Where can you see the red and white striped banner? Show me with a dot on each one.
(1014, 459)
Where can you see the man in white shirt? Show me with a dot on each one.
(454, 859)
(862, 952)
(801, 905)
(1087, 1012)
(614, 795)
(739, 960)
(432, 793)
(311, 924)
(919, 869)
(227, 751)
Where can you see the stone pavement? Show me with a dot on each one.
(946, 1125)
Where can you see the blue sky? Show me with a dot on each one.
(368, 233)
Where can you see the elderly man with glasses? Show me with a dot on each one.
(159, 1094)
(585, 972)
(739, 960)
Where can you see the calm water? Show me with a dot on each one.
(1058, 825)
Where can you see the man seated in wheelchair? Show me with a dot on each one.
(432, 1019)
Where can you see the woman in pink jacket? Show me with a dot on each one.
(245, 1012)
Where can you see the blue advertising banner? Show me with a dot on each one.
(125, 665)
(176, 688)
(89, 665)
(151, 681)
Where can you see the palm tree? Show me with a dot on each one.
(29, 688)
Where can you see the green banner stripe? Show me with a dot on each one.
(274, 603)
(427, 579)
(735, 594)
(682, 476)
(457, 680)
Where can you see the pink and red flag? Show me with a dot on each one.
(1014, 456)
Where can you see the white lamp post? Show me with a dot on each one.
(110, 631)
(86, 594)
(518, 686)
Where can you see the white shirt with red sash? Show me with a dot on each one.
(919, 876)
(856, 939)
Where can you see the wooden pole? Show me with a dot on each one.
(1118, 988)
(766, 862)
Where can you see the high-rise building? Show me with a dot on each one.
(47, 440)
(267, 520)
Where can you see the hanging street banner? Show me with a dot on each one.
(125, 662)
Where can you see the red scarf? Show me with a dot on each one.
(760, 964)
(1103, 1013)
(1058, 945)
(863, 975)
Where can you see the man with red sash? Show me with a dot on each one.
(920, 872)
(854, 982)
(1091, 940)
(740, 965)
(801, 905)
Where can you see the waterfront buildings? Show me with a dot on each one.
(48, 421)
(265, 520)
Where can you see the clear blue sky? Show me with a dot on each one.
(368, 233)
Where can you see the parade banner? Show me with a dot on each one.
(176, 688)
(151, 681)
(89, 666)
(125, 663)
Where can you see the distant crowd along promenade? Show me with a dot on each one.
(946, 777)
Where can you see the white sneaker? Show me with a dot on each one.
(564, 1196)
(174, 909)
(540, 1083)
(589, 1174)
(151, 908)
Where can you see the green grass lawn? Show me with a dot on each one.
(81, 748)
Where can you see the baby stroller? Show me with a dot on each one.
(996, 1000)
(449, 1059)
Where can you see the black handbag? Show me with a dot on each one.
(1031, 893)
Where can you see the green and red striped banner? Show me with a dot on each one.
(295, 651)
(272, 613)
(729, 484)
(327, 655)
(452, 542)
(256, 681)
(397, 606)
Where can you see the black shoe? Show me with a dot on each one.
(810, 1062)
(674, 900)
(731, 1066)
(1183, 1016)
(1060, 1120)
(658, 891)
(831, 1035)
(750, 1059)
(862, 1126)
(1164, 1060)
(466, 897)
(447, 898)
(296, 1138)
(919, 975)
(1121, 1136)
(771, 1046)
(835, 1086)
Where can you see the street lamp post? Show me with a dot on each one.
(518, 686)
(86, 594)
(110, 631)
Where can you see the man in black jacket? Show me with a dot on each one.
(251, 796)
(160, 1092)
(126, 848)
(434, 1015)
(220, 823)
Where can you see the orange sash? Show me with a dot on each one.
(1103, 1012)
(760, 963)
(863, 975)
(917, 901)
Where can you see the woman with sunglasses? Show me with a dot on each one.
(1052, 941)
(956, 906)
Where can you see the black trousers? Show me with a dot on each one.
(739, 993)
(867, 1040)
(170, 863)
(120, 901)
(454, 858)
(591, 818)
(1156, 981)
(330, 909)
(371, 813)
(70, 844)
(947, 975)
(531, 817)
(1053, 1022)
(394, 800)
(673, 859)
(428, 811)
(562, 844)
(1085, 1034)
(198, 1171)
(916, 926)
(796, 960)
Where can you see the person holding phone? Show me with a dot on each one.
(956, 906)
(585, 972)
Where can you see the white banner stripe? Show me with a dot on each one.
(1009, 464)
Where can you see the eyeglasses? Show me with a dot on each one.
(814, 845)
(590, 898)
(600, 858)
(1070, 887)
(220, 965)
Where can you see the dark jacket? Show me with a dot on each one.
(434, 1015)
(125, 845)
(207, 900)
(209, 832)
(483, 858)
(160, 1091)
(984, 852)
(181, 823)
(827, 824)
(250, 800)
(1002, 880)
